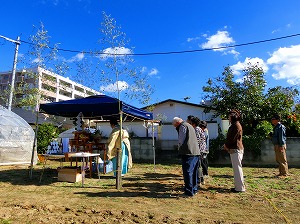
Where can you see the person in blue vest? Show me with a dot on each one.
(189, 151)
(279, 142)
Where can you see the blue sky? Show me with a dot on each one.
(168, 26)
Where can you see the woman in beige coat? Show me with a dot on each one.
(113, 144)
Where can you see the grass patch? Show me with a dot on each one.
(148, 195)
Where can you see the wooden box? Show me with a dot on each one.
(69, 175)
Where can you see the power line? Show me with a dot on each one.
(171, 52)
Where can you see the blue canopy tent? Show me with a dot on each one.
(94, 107)
(98, 107)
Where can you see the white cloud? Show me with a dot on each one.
(276, 31)
(36, 60)
(240, 80)
(219, 40)
(286, 64)
(144, 69)
(190, 39)
(153, 71)
(77, 57)
(118, 51)
(240, 66)
(114, 87)
(287, 26)
(20, 55)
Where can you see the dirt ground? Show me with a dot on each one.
(148, 195)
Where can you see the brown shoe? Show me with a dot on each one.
(281, 176)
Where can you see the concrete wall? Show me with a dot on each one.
(142, 148)
(292, 152)
(267, 157)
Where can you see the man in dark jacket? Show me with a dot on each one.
(279, 142)
(189, 151)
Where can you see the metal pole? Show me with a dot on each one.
(153, 146)
(119, 155)
(17, 42)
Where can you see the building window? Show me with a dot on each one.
(5, 78)
(65, 93)
(49, 88)
(79, 89)
(77, 97)
(48, 77)
(65, 84)
(48, 99)
(90, 93)
(4, 87)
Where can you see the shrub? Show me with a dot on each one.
(215, 147)
(263, 129)
(46, 133)
(252, 143)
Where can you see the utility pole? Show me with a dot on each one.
(17, 42)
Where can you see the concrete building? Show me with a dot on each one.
(167, 137)
(52, 88)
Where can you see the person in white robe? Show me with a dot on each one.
(113, 144)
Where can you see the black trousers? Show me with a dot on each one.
(204, 165)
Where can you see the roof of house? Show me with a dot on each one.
(178, 101)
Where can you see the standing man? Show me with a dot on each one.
(189, 151)
(279, 142)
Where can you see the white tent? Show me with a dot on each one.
(16, 138)
(67, 134)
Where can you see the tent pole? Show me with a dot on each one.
(153, 145)
(34, 143)
(119, 157)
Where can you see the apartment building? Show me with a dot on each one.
(52, 88)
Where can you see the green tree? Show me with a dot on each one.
(46, 133)
(253, 87)
(249, 96)
(280, 100)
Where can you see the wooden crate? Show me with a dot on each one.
(69, 175)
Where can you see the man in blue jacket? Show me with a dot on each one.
(279, 142)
